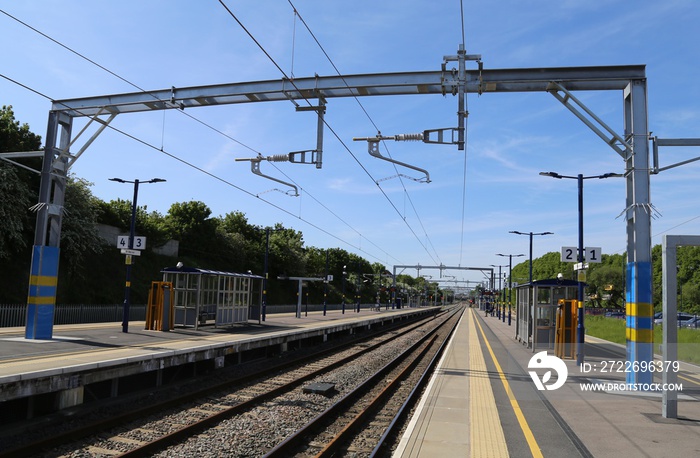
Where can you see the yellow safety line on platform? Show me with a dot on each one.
(487, 437)
(531, 441)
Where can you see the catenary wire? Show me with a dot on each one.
(406, 193)
(464, 173)
(193, 118)
(245, 29)
(199, 169)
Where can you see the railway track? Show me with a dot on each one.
(360, 423)
(145, 431)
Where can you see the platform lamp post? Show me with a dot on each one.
(325, 287)
(531, 234)
(358, 285)
(266, 274)
(263, 312)
(500, 288)
(345, 274)
(132, 230)
(580, 328)
(510, 280)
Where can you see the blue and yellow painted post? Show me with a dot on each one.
(640, 323)
(41, 300)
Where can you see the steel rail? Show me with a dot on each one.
(356, 423)
(286, 447)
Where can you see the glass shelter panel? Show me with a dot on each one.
(536, 311)
(204, 296)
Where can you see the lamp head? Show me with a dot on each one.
(551, 174)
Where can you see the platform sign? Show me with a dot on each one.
(593, 254)
(569, 254)
(590, 254)
(139, 242)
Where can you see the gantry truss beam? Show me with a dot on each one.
(427, 82)
(441, 267)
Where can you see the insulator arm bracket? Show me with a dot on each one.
(373, 148)
(255, 168)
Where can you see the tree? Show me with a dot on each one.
(15, 200)
(16, 137)
(79, 237)
(17, 193)
(287, 258)
(190, 223)
(246, 243)
(688, 264)
(152, 225)
(606, 285)
(236, 223)
(546, 267)
(185, 219)
(550, 266)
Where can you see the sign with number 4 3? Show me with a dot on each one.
(139, 242)
(590, 254)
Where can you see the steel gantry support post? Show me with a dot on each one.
(43, 279)
(640, 307)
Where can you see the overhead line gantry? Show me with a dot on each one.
(632, 145)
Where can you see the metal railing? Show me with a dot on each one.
(12, 315)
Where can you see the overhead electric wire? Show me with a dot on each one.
(71, 50)
(197, 120)
(659, 234)
(199, 169)
(297, 14)
(464, 173)
(325, 123)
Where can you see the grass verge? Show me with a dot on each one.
(613, 329)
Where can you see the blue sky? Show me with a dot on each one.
(452, 220)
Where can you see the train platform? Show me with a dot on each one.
(482, 401)
(98, 356)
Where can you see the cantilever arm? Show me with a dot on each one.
(255, 168)
(373, 148)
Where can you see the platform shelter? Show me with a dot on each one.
(536, 311)
(203, 297)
